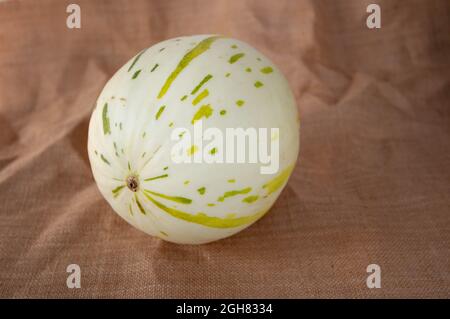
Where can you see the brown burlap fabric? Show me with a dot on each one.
(372, 184)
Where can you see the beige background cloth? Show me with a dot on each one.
(372, 182)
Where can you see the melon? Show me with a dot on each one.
(148, 112)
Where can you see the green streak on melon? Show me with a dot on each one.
(188, 57)
(191, 150)
(178, 199)
(139, 205)
(104, 159)
(234, 193)
(136, 74)
(205, 79)
(105, 119)
(161, 109)
(279, 180)
(130, 209)
(203, 111)
(116, 191)
(235, 58)
(250, 199)
(115, 149)
(154, 68)
(136, 59)
(156, 177)
(200, 218)
(266, 70)
(200, 97)
(258, 84)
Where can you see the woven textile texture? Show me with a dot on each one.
(371, 185)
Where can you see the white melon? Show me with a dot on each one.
(222, 82)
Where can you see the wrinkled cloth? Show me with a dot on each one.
(371, 185)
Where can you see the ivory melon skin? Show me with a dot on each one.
(222, 82)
